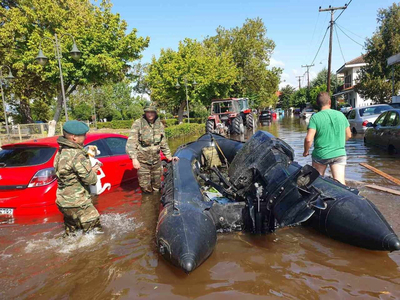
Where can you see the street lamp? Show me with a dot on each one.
(42, 60)
(178, 86)
(9, 77)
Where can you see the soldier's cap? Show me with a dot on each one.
(150, 108)
(75, 127)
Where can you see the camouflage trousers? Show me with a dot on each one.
(149, 177)
(85, 218)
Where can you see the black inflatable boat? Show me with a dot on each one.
(221, 185)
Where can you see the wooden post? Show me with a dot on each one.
(19, 132)
(383, 174)
(42, 129)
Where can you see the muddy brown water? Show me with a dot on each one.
(293, 263)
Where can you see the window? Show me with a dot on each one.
(392, 119)
(352, 115)
(375, 110)
(216, 109)
(243, 104)
(27, 156)
(101, 147)
(380, 119)
(116, 145)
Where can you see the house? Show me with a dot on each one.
(346, 92)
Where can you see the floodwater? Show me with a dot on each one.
(293, 263)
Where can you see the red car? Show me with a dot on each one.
(27, 178)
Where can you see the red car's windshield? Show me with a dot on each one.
(28, 156)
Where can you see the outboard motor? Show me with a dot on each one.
(278, 191)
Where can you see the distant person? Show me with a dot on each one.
(145, 141)
(329, 130)
(75, 174)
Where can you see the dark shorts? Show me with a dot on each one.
(340, 160)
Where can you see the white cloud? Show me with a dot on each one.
(276, 63)
(295, 72)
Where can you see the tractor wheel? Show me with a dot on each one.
(237, 125)
(209, 126)
(249, 121)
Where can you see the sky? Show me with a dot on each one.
(296, 27)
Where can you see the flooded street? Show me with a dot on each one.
(293, 263)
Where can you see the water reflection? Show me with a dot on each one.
(123, 263)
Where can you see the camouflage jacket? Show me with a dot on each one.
(146, 140)
(74, 174)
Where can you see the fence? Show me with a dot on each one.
(24, 132)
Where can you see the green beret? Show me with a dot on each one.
(150, 108)
(75, 127)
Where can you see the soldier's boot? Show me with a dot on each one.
(71, 221)
(94, 226)
(90, 219)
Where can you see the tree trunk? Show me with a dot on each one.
(59, 107)
(180, 111)
(25, 111)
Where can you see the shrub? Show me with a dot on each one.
(195, 120)
(115, 124)
(170, 122)
(184, 129)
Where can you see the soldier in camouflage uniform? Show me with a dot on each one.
(146, 139)
(75, 174)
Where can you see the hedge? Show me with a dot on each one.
(184, 129)
(170, 122)
(195, 120)
(115, 124)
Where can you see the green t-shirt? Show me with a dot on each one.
(330, 137)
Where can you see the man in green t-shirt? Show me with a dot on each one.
(329, 130)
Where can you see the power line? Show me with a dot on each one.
(363, 38)
(323, 39)
(340, 46)
(350, 37)
(342, 10)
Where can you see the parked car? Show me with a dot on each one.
(265, 115)
(345, 108)
(395, 105)
(297, 111)
(307, 113)
(385, 131)
(28, 181)
(359, 117)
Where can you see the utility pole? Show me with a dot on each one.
(299, 78)
(308, 73)
(332, 10)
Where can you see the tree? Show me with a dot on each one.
(215, 73)
(113, 101)
(321, 79)
(251, 50)
(299, 98)
(375, 78)
(107, 49)
(286, 96)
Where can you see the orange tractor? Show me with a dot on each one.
(231, 115)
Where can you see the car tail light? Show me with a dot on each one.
(43, 177)
(365, 123)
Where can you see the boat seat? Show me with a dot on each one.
(211, 157)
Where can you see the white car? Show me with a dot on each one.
(307, 113)
(345, 108)
(359, 117)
